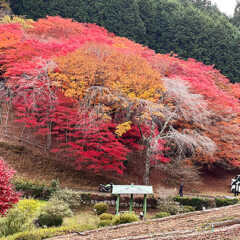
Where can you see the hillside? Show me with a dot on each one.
(101, 105)
(31, 163)
(190, 28)
(83, 106)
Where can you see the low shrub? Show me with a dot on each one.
(124, 218)
(15, 221)
(169, 206)
(220, 202)
(173, 209)
(186, 209)
(104, 223)
(211, 203)
(106, 216)
(55, 185)
(53, 213)
(71, 197)
(35, 190)
(100, 207)
(43, 233)
(86, 197)
(30, 207)
(162, 214)
(49, 220)
(152, 202)
(197, 203)
(20, 217)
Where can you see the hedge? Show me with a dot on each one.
(220, 202)
(48, 232)
(199, 203)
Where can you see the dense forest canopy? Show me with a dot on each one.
(236, 17)
(99, 100)
(190, 28)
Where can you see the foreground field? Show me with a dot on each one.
(214, 224)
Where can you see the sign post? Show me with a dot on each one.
(131, 203)
(145, 205)
(117, 204)
(132, 189)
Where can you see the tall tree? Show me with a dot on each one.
(190, 32)
(121, 17)
(236, 17)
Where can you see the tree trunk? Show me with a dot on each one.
(146, 178)
(49, 137)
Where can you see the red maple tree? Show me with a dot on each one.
(48, 80)
(8, 196)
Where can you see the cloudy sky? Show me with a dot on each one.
(226, 6)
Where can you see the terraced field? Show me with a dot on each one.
(214, 224)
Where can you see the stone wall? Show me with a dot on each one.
(91, 199)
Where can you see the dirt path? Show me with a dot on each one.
(208, 224)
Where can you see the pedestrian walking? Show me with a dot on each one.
(181, 190)
(236, 190)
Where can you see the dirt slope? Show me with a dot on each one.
(34, 163)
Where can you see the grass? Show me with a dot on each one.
(43, 233)
(81, 221)
(85, 217)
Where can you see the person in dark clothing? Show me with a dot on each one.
(235, 192)
(181, 190)
(235, 184)
(236, 189)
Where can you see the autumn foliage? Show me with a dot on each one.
(8, 196)
(97, 98)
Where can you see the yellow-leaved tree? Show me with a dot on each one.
(99, 65)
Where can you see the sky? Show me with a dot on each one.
(226, 6)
